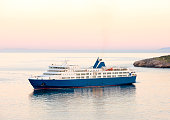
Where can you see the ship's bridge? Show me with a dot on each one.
(63, 68)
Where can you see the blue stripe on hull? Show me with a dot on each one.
(74, 83)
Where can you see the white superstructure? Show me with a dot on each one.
(66, 71)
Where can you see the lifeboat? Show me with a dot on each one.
(110, 69)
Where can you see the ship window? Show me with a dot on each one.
(94, 76)
(80, 70)
(87, 73)
(65, 77)
(120, 72)
(104, 76)
(94, 73)
(109, 76)
(104, 73)
(82, 77)
(109, 73)
(82, 73)
(99, 76)
(99, 73)
(78, 74)
(87, 77)
(78, 77)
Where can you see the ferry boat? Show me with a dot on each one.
(72, 76)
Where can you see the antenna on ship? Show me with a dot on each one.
(65, 62)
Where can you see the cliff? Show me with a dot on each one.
(157, 62)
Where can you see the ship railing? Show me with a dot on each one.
(45, 78)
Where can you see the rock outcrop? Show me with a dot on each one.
(157, 62)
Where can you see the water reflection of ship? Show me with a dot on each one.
(124, 90)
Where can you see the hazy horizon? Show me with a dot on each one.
(162, 50)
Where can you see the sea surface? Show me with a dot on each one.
(148, 99)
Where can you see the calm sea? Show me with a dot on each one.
(148, 99)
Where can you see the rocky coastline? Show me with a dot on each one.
(156, 62)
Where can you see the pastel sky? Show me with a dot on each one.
(84, 24)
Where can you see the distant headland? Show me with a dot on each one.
(156, 62)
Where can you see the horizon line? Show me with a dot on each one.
(21, 50)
